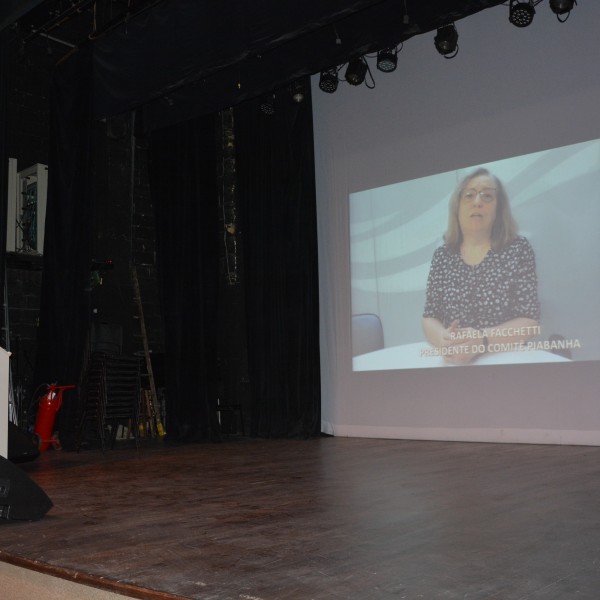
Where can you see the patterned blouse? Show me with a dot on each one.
(503, 286)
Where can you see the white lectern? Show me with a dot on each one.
(4, 391)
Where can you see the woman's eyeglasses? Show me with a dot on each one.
(487, 195)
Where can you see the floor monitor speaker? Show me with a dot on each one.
(21, 499)
(21, 447)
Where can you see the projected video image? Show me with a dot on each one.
(491, 264)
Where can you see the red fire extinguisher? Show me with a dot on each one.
(49, 404)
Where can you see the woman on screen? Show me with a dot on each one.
(482, 285)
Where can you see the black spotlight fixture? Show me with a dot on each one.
(387, 59)
(562, 7)
(446, 41)
(356, 71)
(267, 104)
(297, 91)
(521, 13)
(328, 82)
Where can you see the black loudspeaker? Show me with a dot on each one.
(21, 448)
(20, 498)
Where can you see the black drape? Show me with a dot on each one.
(4, 88)
(183, 180)
(68, 237)
(275, 169)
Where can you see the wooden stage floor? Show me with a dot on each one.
(320, 519)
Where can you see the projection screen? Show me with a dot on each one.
(521, 103)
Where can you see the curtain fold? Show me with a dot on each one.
(5, 82)
(275, 177)
(68, 237)
(275, 169)
(183, 180)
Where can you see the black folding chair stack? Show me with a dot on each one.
(111, 399)
(93, 393)
(123, 393)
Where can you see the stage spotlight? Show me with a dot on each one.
(387, 60)
(356, 71)
(562, 7)
(446, 41)
(328, 81)
(520, 13)
(267, 104)
(297, 91)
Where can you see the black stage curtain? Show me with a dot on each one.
(275, 169)
(277, 198)
(5, 56)
(68, 238)
(183, 180)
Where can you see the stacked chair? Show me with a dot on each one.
(111, 399)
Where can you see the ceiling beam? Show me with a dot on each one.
(12, 10)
